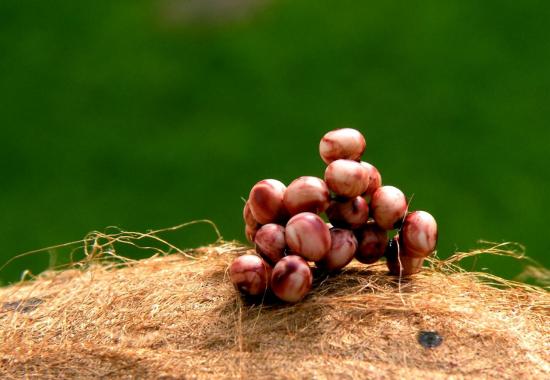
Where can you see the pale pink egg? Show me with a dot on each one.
(347, 178)
(344, 143)
(306, 194)
(307, 235)
(419, 234)
(388, 207)
(266, 201)
(375, 179)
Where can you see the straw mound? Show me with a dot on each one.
(177, 316)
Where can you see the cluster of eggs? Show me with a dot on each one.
(286, 227)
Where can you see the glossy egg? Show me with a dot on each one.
(308, 235)
(291, 279)
(347, 178)
(266, 201)
(307, 194)
(270, 242)
(344, 143)
(250, 275)
(419, 234)
(348, 213)
(375, 179)
(342, 249)
(388, 207)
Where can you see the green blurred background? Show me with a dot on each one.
(145, 114)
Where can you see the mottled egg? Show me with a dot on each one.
(266, 201)
(347, 178)
(306, 194)
(419, 234)
(344, 143)
(375, 179)
(250, 275)
(342, 250)
(348, 213)
(308, 235)
(372, 244)
(291, 278)
(388, 207)
(270, 242)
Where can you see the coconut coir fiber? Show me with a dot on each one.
(177, 316)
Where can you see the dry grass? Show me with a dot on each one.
(177, 316)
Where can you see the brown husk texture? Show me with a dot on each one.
(177, 316)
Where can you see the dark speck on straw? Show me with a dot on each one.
(429, 339)
(22, 306)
